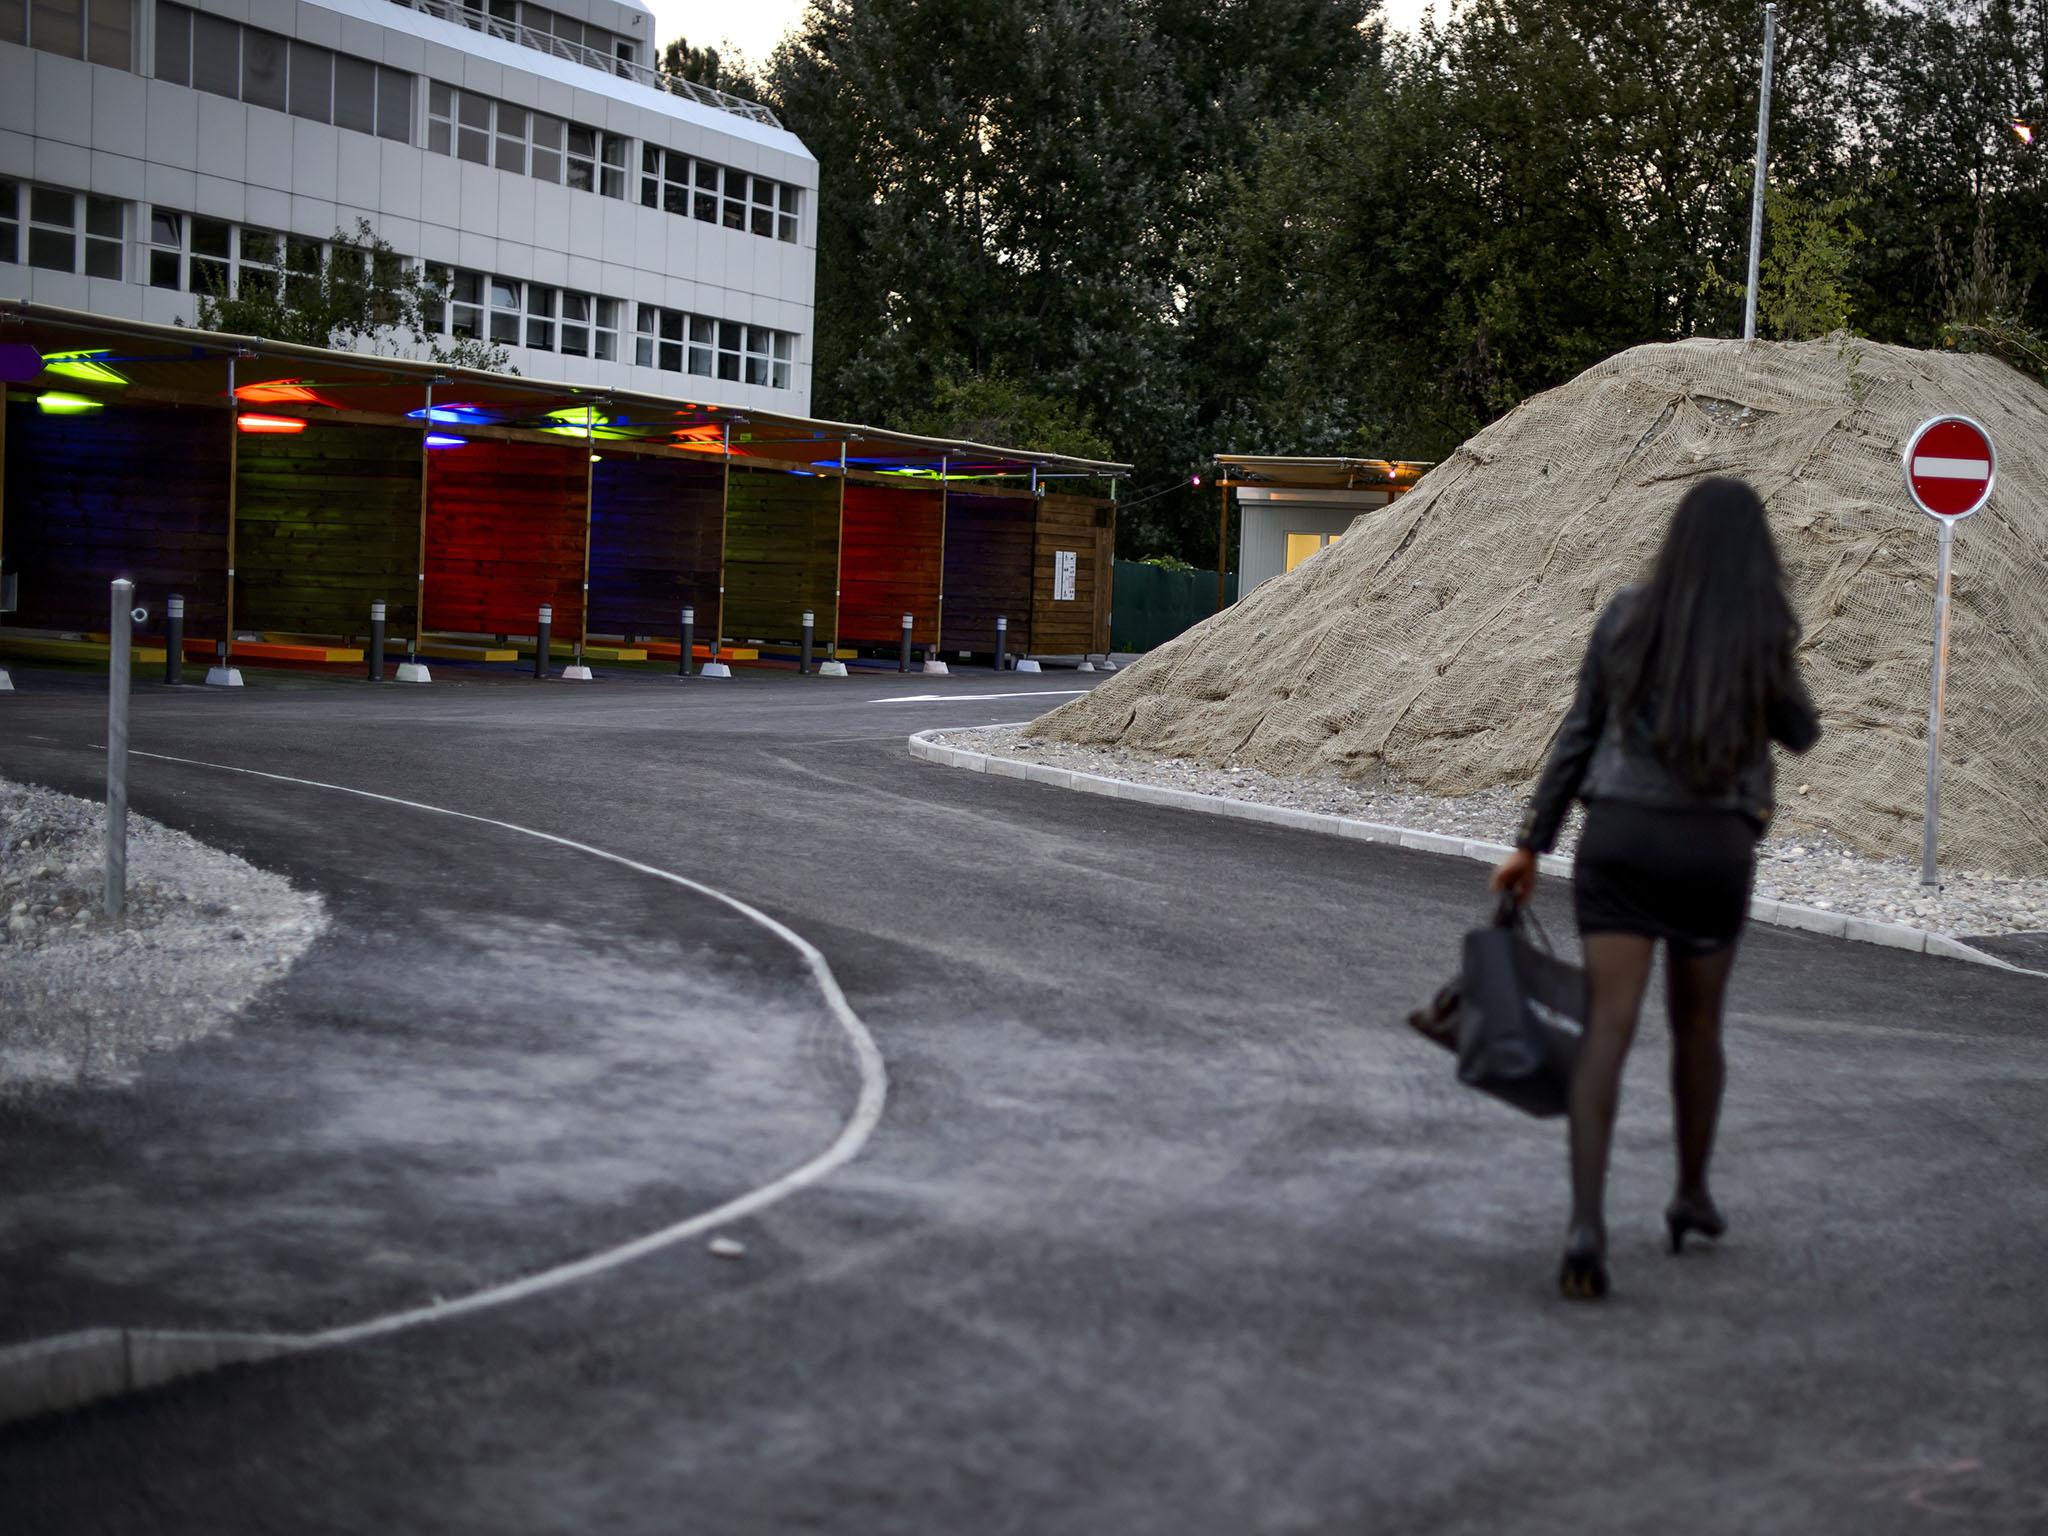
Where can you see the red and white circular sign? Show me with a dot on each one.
(1950, 466)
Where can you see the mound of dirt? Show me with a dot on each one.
(1436, 645)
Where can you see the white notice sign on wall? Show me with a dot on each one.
(1064, 564)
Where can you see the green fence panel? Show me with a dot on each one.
(1153, 605)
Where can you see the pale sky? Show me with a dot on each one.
(755, 26)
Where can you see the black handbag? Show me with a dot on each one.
(1513, 1015)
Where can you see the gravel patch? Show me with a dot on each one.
(84, 999)
(1816, 870)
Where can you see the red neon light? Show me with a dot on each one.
(280, 424)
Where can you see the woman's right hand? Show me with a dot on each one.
(1516, 874)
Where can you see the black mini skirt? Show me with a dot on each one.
(1683, 876)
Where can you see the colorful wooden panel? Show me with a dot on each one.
(889, 564)
(654, 526)
(781, 554)
(135, 491)
(988, 568)
(1085, 529)
(505, 532)
(327, 521)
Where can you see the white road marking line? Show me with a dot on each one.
(970, 698)
(867, 1112)
(1951, 469)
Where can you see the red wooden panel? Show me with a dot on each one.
(505, 533)
(889, 563)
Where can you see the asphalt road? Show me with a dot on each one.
(1169, 1224)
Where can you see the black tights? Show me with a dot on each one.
(1617, 972)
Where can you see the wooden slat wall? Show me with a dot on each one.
(135, 491)
(1073, 628)
(890, 565)
(654, 543)
(781, 554)
(327, 522)
(504, 535)
(988, 568)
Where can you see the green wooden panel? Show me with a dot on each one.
(326, 522)
(781, 554)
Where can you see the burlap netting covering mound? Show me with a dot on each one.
(1437, 644)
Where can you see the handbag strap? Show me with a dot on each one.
(1511, 913)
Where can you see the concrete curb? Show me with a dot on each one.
(73, 1369)
(1778, 914)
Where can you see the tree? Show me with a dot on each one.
(997, 409)
(682, 66)
(357, 295)
(1009, 189)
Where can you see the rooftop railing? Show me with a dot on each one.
(591, 58)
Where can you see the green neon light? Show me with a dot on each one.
(85, 367)
(54, 404)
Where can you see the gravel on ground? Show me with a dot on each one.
(83, 998)
(1814, 870)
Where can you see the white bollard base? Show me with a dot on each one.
(223, 677)
(576, 675)
(936, 668)
(1107, 666)
(1028, 665)
(1086, 666)
(6, 682)
(715, 669)
(414, 672)
(831, 669)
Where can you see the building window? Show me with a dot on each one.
(590, 326)
(214, 54)
(706, 205)
(67, 231)
(207, 270)
(722, 349)
(485, 131)
(259, 256)
(735, 199)
(101, 31)
(10, 221)
(540, 317)
(504, 311)
(785, 219)
(1300, 546)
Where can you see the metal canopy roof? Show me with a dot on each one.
(106, 358)
(1325, 474)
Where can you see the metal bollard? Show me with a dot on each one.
(118, 659)
(689, 641)
(803, 666)
(904, 664)
(1002, 642)
(376, 642)
(174, 639)
(544, 635)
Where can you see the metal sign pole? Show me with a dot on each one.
(118, 660)
(1931, 819)
(1763, 153)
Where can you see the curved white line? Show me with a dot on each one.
(867, 1111)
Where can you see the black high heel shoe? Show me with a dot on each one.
(1583, 1274)
(1701, 1216)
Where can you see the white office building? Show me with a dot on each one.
(604, 230)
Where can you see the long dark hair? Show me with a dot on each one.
(1709, 641)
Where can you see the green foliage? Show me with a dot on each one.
(680, 64)
(356, 295)
(1803, 277)
(994, 408)
(1263, 226)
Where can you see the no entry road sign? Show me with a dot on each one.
(1950, 465)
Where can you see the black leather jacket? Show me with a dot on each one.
(1596, 755)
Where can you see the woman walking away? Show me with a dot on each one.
(1686, 681)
